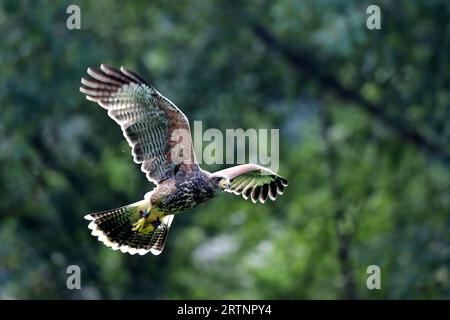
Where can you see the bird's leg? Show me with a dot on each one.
(149, 227)
(143, 225)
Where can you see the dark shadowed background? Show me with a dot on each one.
(364, 142)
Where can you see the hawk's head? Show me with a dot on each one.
(221, 182)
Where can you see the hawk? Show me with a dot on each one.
(149, 122)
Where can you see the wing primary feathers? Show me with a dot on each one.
(264, 193)
(100, 76)
(280, 187)
(94, 84)
(255, 193)
(132, 75)
(116, 73)
(246, 192)
(95, 93)
(273, 191)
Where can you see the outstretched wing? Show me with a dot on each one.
(157, 131)
(255, 182)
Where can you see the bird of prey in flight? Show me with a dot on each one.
(149, 122)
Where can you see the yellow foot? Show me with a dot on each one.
(143, 225)
(148, 228)
(139, 225)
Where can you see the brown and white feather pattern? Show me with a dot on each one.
(254, 182)
(113, 228)
(147, 119)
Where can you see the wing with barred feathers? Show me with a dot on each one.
(254, 182)
(157, 131)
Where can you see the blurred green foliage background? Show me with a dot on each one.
(364, 142)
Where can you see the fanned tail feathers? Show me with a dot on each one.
(115, 229)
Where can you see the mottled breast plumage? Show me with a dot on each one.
(188, 191)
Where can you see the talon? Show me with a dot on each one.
(143, 225)
(139, 225)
